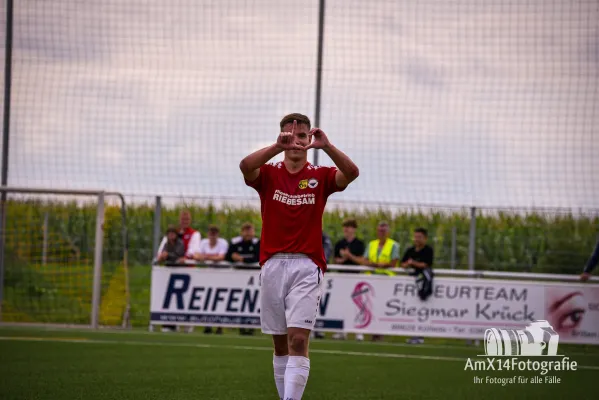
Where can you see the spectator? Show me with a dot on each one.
(327, 245)
(191, 238)
(381, 254)
(246, 247)
(348, 251)
(173, 251)
(591, 264)
(420, 258)
(191, 241)
(212, 249)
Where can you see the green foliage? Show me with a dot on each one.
(60, 290)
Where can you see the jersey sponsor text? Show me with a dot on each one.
(294, 199)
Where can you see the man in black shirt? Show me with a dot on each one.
(244, 248)
(350, 249)
(420, 258)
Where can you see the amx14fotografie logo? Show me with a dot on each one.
(533, 348)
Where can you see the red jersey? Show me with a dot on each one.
(292, 206)
(186, 236)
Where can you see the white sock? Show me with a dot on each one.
(296, 377)
(279, 364)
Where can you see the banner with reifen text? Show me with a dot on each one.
(371, 304)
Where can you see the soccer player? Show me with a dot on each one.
(293, 194)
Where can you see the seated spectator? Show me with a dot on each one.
(190, 237)
(173, 251)
(246, 247)
(349, 251)
(212, 249)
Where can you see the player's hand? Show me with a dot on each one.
(585, 276)
(344, 253)
(286, 140)
(319, 139)
(236, 257)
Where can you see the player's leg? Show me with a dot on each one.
(302, 304)
(272, 317)
(279, 362)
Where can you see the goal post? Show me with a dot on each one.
(52, 263)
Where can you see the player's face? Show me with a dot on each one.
(300, 136)
(172, 236)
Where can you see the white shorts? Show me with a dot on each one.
(290, 289)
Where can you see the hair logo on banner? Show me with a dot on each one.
(362, 298)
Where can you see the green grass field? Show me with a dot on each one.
(52, 363)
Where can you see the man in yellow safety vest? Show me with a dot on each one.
(382, 253)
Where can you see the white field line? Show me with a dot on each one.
(236, 347)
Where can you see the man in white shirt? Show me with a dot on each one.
(214, 248)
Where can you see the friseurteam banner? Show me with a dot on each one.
(371, 304)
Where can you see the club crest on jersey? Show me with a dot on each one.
(312, 183)
(303, 184)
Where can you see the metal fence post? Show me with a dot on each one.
(157, 227)
(472, 239)
(97, 288)
(45, 240)
(321, 11)
(454, 246)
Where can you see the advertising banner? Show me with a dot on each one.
(376, 304)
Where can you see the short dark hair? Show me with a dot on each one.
(171, 228)
(421, 230)
(300, 118)
(350, 223)
(213, 229)
(246, 225)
